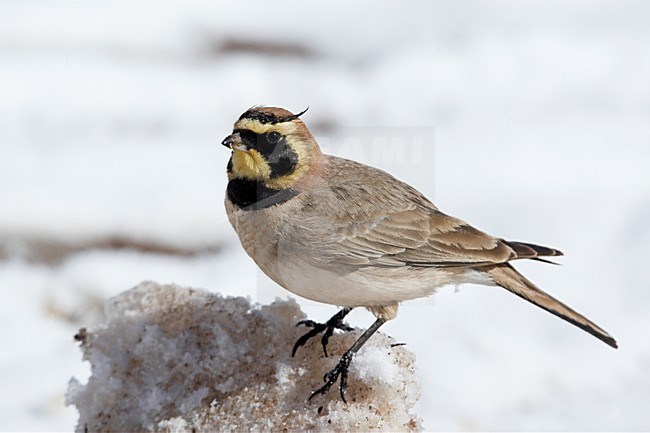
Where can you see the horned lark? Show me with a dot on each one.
(343, 233)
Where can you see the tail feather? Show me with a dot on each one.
(539, 259)
(507, 277)
(525, 250)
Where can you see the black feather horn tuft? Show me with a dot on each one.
(292, 117)
(271, 118)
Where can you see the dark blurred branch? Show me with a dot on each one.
(53, 252)
(260, 48)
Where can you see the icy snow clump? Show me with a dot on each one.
(170, 358)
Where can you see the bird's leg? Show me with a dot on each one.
(327, 328)
(341, 369)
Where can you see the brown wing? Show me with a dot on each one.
(374, 219)
(421, 237)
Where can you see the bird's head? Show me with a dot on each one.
(271, 145)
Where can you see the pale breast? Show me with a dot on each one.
(258, 233)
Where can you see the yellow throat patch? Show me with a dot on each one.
(250, 165)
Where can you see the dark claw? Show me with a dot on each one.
(327, 328)
(341, 369)
(330, 378)
(322, 390)
(326, 338)
(302, 340)
(329, 331)
(308, 323)
(344, 384)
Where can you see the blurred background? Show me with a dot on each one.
(530, 120)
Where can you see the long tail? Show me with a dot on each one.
(531, 251)
(507, 277)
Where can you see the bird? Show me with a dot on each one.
(339, 232)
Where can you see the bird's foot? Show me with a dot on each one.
(330, 378)
(327, 328)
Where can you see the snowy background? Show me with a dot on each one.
(534, 119)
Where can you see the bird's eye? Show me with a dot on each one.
(273, 136)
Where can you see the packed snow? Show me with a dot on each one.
(169, 358)
(529, 120)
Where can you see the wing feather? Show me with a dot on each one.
(373, 219)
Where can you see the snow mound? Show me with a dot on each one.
(170, 358)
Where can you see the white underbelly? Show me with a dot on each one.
(368, 286)
(363, 286)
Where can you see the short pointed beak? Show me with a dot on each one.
(228, 141)
(233, 141)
